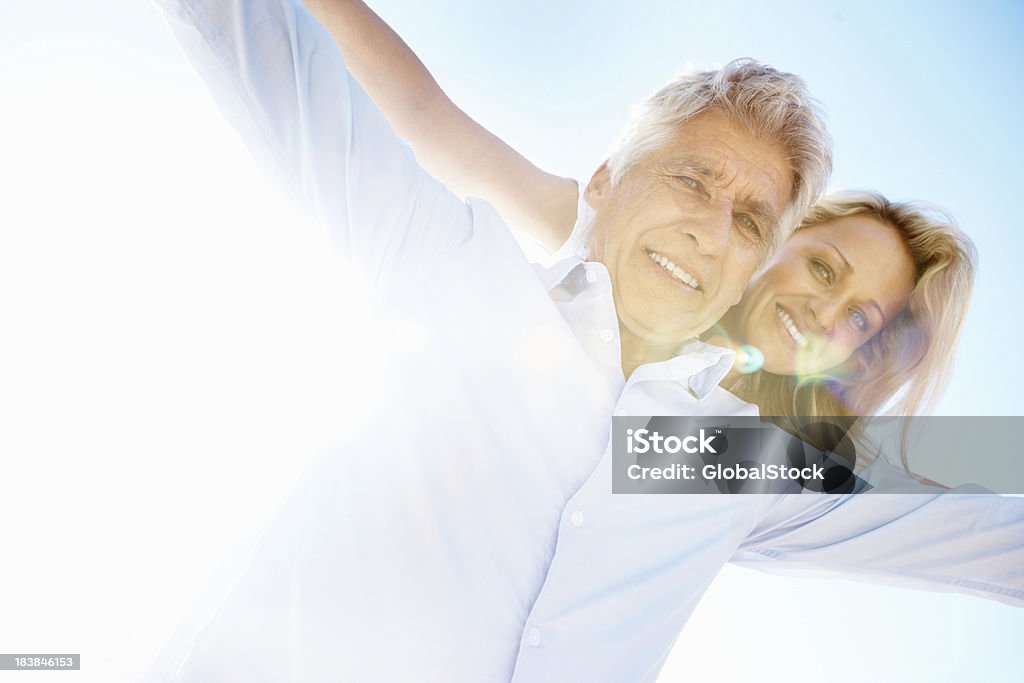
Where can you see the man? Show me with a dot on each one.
(468, 532)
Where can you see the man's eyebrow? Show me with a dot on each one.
(762, 210)
(759, 208)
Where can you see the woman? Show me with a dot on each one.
(844, 338)
(858, 314)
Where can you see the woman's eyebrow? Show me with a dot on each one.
(881, 315)
(847, 267)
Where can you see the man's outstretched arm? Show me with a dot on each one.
(448, 143)
(281, 81)
(947, 540)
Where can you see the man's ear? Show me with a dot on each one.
(599, 187)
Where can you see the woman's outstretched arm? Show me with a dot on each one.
(449, 144)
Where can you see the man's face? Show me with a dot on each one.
(683, 231)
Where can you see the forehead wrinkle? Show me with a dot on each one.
(693, 165)
(750, 200)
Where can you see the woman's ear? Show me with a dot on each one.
(599, 187)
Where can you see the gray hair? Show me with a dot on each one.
(770, 104)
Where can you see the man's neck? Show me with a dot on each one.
(637, 351)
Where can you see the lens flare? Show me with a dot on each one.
(749, 359)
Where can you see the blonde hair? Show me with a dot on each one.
(903, 369)
(770, 104)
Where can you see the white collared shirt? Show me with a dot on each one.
(470, 533)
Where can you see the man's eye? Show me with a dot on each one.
(822, 270)
(859, 319)
(750, 225)
(689, 182)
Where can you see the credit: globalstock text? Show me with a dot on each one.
(643, 441)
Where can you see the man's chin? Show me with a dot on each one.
(667, 328)
(675, 337)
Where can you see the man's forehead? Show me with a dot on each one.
(722, 149)
(763, 185)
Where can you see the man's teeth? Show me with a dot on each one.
(790, 326)
(677, 272)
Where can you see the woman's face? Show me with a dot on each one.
(827, 291)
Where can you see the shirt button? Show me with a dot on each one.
(576, 519)
(591, 276)
(533, 637)
(607, 335)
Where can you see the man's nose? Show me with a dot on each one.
(711, 228)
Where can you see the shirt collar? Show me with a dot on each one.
(697, 365)
(553, 275)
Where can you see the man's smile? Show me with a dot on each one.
(674, 270)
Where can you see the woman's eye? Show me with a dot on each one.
(822, 270)
(859, 319)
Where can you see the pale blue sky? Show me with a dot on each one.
(147, 270)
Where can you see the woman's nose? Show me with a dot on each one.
(824, 311)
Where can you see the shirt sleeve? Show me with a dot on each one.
(281, 81)
(921, 537)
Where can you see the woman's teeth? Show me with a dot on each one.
(790, 326)
(676, 272)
